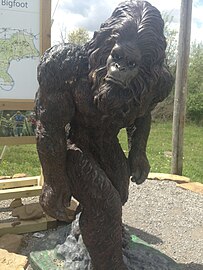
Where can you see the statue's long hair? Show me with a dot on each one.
(142, 23)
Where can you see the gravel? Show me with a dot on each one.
(167, 217)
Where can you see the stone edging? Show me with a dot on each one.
(181, 181)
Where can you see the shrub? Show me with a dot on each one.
(195, 107)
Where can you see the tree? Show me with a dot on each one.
(79, 36)
(63, 34)
(195, 84)
(171, 38)
(164, 110)
(195, 73)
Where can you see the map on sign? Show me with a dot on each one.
(15, 44)
(19, 48)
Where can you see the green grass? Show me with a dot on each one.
(159, 149)
(20, 159)
(24, 159)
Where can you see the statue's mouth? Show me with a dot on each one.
(109, 78)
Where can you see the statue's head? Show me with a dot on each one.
(128, 51)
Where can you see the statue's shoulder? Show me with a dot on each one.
(66, 58)
(60, 49)
(68, 52)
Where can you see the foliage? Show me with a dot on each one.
(195, 84)
(171, 38)
(164, 110)
(195, 73)
(79, 36)
(195, 77)
(195, 107)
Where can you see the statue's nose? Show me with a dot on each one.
(120, 67)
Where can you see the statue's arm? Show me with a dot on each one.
(54, 110)
(138, 134)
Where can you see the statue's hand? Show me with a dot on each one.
(55, 201)
(139, 166)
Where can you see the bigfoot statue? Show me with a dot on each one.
(86, 95)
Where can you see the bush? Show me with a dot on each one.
(195, 107)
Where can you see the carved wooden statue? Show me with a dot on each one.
(86, 95)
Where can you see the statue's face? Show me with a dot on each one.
(123, 63)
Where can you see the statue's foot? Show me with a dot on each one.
(55, 202)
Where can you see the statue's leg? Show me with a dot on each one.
(101, 218)
(115, 164)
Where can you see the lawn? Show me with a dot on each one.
(20, 159)
(23, 158)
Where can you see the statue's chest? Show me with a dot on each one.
(112, 108)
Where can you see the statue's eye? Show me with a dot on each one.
(131, 64)
(116, 56)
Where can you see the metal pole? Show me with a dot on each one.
(181, 87)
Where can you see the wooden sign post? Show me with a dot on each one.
(181, 87)
(25, 33)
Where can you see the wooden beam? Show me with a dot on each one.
(2, 153)
(21, 192)
(45, 25)
(41, 179)
(16, 104)
(181, 87)
(26, 226)
(17, 140)
(19, 182)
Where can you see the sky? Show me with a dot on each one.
(69, 15)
